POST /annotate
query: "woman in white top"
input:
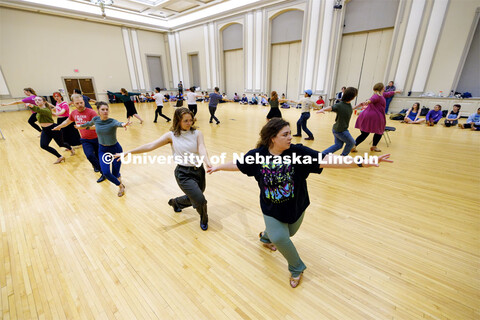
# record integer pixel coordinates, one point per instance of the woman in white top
(189, 152)
(159, 102)
(192, 100)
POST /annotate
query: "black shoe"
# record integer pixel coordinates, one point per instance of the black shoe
(204, 226)
(102, 178)
(218, 122)
(210, 121)
(96, 170)
(296, 135)
(155, 121)
(169, 120)
(310, 138)
(173, 203)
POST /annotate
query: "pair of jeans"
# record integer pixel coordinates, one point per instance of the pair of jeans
(212, 114)
(158, 112)
(90, 148)
(302, 124)
(387, 103)
(279, 234)
(192, 182)
(46, 137)
(113, 174)
(340, 139)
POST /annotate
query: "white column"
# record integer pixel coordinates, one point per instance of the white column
(179, 58)
(213, 56)
(173, 58)
(430, 43)
(138, 60)
(207, 56)
(249, 45)
(325, 45)
(128, 52)
(411, 34)
(311, 43)
(258, 49)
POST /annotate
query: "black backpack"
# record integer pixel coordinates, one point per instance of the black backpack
(424, 111)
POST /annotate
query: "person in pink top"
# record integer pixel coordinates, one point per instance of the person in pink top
(30, 99)
(89, 137)
(62, 111)
(372, 119)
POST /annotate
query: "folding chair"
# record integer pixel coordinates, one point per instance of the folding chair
(387, 136)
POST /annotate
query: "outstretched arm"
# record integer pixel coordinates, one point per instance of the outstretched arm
(163, 140)
(12, 103)
(202, 150)
(230, 166)
(329, 108)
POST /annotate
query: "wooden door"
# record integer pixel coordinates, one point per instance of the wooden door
(86, 85)
(71, 84)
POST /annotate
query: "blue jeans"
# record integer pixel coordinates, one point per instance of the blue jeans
(279, 233)
(340, 139)
(387, 103)
(111, 175)
(302, 124)
(90, 148)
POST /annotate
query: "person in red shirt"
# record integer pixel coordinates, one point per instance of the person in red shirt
(89, 137)
(320, 101)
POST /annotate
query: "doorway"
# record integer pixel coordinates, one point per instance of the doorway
(83, 84)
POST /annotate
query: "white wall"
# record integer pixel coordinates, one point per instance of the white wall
(154, 44)
(37, 50)
(192, 40)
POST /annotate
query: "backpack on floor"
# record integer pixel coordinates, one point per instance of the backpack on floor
(424, 111)
(397, 116)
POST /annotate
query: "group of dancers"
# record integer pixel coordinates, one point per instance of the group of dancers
(283, 189)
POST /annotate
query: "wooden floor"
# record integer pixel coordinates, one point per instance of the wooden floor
(397, 242)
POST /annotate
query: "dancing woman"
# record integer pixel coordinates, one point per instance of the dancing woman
(30, 93)
(187, 145)
(125, 97)
(62, 111)
(274, 106)
(106, 129)
(283, 187)
(43, 111)
(372, 119)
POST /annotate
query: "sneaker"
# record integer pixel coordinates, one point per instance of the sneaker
(102, 178)
(310, 138)
(204, 226)
(173, 203)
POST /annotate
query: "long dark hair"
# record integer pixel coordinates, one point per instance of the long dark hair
(177, 119)
(270, 130)
(30, 90)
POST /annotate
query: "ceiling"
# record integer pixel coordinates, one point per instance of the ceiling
(164, 9)
(163, 15)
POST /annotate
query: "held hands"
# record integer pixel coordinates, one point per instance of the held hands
(382, 158)
(125, 124)
(118, 155)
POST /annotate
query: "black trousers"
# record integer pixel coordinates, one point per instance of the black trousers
(193, 108)
(32, 120)
(158, 112)
(364, 135)
(212, 114)
(47, 136)
(192, 182)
